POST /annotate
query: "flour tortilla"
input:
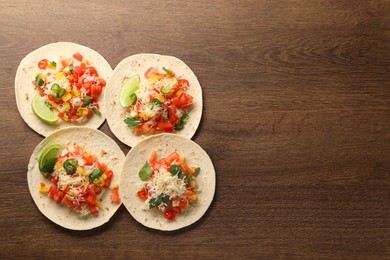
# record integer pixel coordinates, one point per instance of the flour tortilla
(137, 65)
(25, 92)
(91, 140)
(130, 182)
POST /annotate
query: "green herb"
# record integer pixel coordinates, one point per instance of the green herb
(145, 172)
(39, 81)
(156, 101)
(96, 173)
(87, 100)
(190, 178)
(197, 170)
(162, 198)
(57, 91)
(170, 74)
(71, 68)
(132, 121)
(177, 170)
(150, 105)
(133, 97)
(96, 111)
(70, 166)
(53, 63)
(183, 120)
(165, 91)
(47, 103)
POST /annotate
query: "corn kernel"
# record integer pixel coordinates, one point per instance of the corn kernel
(43, 188)
(66, 97)
(76, 93)
(99, 204)
(66, 106)
(178, 93)
(193, 197)
(59, 75)
(83, 111)
(86, 155)
(51, 66)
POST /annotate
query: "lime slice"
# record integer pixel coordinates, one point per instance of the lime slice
(42, 111)
(48, 158)
(127, 95)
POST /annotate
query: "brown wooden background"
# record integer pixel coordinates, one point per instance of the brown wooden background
(296, 120)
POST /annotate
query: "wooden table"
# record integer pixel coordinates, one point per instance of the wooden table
(296, 121)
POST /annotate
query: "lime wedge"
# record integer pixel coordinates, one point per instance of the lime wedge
(48, 158)
(42, 111)
(127, 95)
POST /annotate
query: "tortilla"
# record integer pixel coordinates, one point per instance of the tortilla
(95, 142)
(138, 65)
(25, 92)
(130, 182)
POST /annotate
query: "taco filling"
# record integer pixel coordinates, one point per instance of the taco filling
(157, 103)
(170, 185)
(70, 87)
(78, 179)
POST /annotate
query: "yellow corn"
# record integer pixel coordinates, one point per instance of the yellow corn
(51, 66)
(161, 98)
(193, 197)
(99, 204)
(43, 188)
(81, 171)
(59, 75)
(181, 158)
(86, 155)
(66, 97)
(66, 106)
(75, 93)
(178, 93)
(57, 166)
(154, 78)
(83, 111)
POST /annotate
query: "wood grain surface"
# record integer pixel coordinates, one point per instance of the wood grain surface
(296, 121)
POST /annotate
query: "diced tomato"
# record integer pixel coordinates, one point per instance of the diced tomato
(90, 199)
(66, 62)
(171, 158)
(41, 91)
(150, 72)
(173, 118)
(189, 193)
(78, 56)
(183, 203)
(92, 71)
(54, 180)
(43, 64)
(77, 72)
(152, 158)
(102, 82)
(87, 158)
(176, 210)
(102, 166)
(165, 126)
(183, 101)
(142, 194)
(91, 191)
(95, 91)
(67, 202)
(109, 175)
(87, 85)
(56, 100)
(93, 209)
(169, 215)
(183, 83)
(115, 196)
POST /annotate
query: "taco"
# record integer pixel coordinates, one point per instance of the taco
(61, 84)
(167, 182)
(73, 177)
(149, 94)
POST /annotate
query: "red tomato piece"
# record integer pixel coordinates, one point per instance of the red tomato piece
(43, 64)
(183, 101)
(142, 194)
(93, 209)
(169, 215)
(66, 62)
(67, 202)
(90, 199)
(183, 203)
(165, 126)
(95, 91)
(92, 71)
(78, 56)
(115, 196)
(173, 118)
(183, 83)
(176, 210)
(171, 158)
(150, 72)
(109, 175)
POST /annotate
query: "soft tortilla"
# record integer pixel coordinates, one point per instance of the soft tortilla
(137, 65)
(130, 182)
(107, 152)
(25, 92)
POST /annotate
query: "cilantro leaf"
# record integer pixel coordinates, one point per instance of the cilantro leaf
(177, 170)
(132, 121)
(145, 172)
